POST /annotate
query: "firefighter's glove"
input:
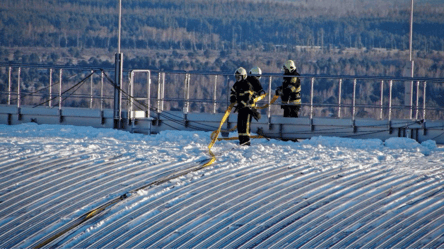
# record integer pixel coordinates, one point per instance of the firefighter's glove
(279, 91)
(255, 113)
(232, 99)
(287, 91)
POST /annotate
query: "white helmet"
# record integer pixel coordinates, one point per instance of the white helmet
(256, 71)
(290, 66)
(240, 74)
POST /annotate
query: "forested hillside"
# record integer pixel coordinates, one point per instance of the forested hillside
(346, 37)
(221, 29)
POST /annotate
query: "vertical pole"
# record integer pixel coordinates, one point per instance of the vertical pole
(390, 100)
(215, 95)
(118, 75)
(354, 98)
(340, 98)
(119, 27)
(417, 99)
(101, 90)
(91, 91)
(18, 87)
(91, 100)
(131, 90)
(311, 97)
(382, 99)
(424, 101)
(50, 88)
(411, 33)
(9, 85)
(117, 88)
(228, 92)
(269, 98)
(411, 60)
(148, 97)
(411, 99)
(60, 89)
(187, 93)
(159, 94)
(163, 91)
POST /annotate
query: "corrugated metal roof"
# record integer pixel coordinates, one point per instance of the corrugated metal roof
(286, 204)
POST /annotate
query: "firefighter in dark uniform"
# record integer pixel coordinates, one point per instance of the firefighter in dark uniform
(253, 77)
(242, 93)
(290, 91)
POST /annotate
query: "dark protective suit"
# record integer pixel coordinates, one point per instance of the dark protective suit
(290, 93)
(243, 93)
(257, 87)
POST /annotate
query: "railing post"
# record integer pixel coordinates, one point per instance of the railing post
(417, 99)
(269, 99)
(354, 98)
(18, 88)
(159, 92)
(424, 101)
(148, 97)
(9, 85)
(131, 97)
(186, 106)
(60, 89)
(390, 100)
(91, 100)
(382, 99)
(163, 91)
(340, 98)
(101, 90)
(118, 63)
(215, 95)
(411, 100)
(50, 88)
(311, 97)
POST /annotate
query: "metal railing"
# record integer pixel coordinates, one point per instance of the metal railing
(335, 96)
(384, 107)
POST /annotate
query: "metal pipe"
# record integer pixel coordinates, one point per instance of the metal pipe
(417, 99)
(163, 91)
(60, 89)
(311, 97)
(269, 98)
(18, 87)
(411, 32)
(131, 97)
(148, 97)
(354, 98)
(50, 88)
(9, 85)
(120, 26)
(411, 60)
(117, 88)
(91, 100)
(159, 87)
(186, 107)
(411, 100)
(382, 99)
(101, 90)
(390, 100)
(424, 101)
(340, 98)
(215, 95)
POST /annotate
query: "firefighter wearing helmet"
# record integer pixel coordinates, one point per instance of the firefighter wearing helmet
(253, 77)
(290, 91)
(243, 94)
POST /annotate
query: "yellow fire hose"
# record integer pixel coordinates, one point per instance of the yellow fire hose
(215, 134)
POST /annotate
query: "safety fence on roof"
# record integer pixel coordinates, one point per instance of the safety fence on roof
(154, 91)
